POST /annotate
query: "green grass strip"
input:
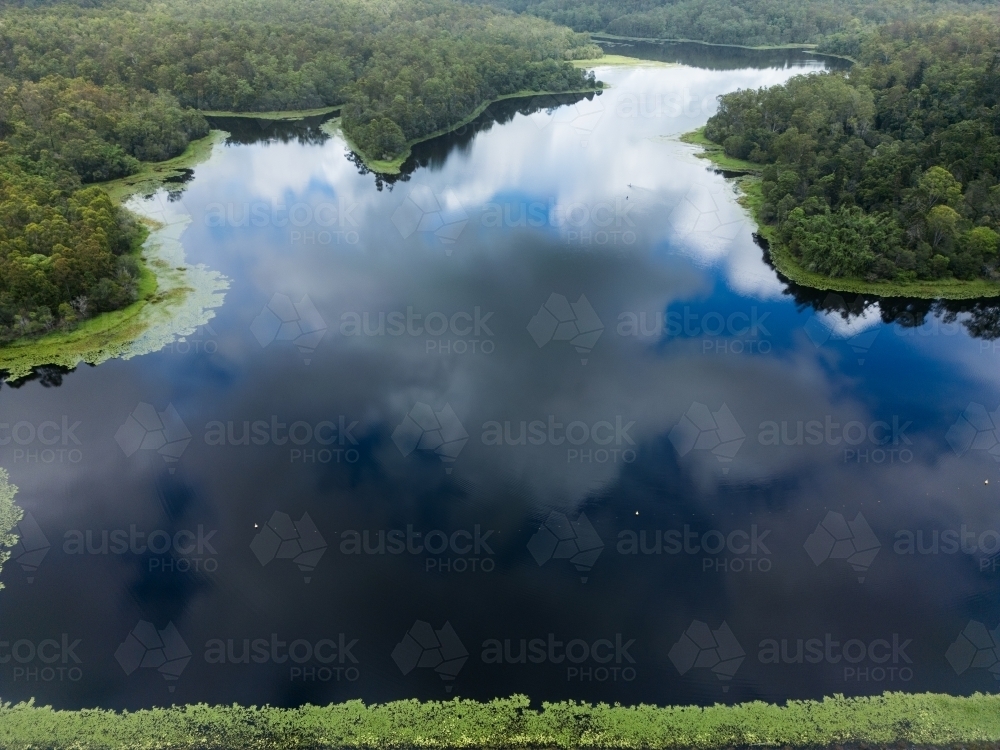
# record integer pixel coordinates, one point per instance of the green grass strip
(291, 114)
(924, 719)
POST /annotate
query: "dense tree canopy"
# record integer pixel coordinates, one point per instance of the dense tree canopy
(891, 171)
(91, 88)
(401, 67)
(746, 22)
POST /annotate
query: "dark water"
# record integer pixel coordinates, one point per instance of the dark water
(534, 417)
(719, 57)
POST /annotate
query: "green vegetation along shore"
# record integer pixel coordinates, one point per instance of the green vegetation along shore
(891, 720)
(747, 175)
(883, 182)
(107, 90)
(602, 37)
(717, 154)
(835, 25)
(10, 515)
(392, 166)
(170, 297)
(293, 114)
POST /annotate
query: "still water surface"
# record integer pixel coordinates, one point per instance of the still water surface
(535, 417)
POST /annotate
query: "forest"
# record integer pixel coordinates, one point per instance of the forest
(91, 88)
(829, 23)
(888, 173)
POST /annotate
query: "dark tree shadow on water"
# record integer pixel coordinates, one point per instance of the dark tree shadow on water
(48, 376)
(979, 317)
(434, 152)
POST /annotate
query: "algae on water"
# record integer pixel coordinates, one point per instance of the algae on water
(10, 516)
(184, 298)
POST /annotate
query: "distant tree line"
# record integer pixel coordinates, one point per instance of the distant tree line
(91, 88)
(743, 22)
(889, 172)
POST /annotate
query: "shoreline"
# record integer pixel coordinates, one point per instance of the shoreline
(598, 36)
(159, 315)
(392, 166)
(120, 333)
(623, 60)
(287, 115)
(747, 177)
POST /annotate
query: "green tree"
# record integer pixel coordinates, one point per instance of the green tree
(10, 516)
(942, 223)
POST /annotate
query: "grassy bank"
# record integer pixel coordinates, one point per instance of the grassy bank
(68, 348)
(154, 175)
(789, 266)
(161, 284)
(714, 153)
(294, 114)
(601, 36)
(392, 166)
(889, 720)
(632, 62)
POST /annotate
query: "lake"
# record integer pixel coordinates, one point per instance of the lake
(535, 416)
